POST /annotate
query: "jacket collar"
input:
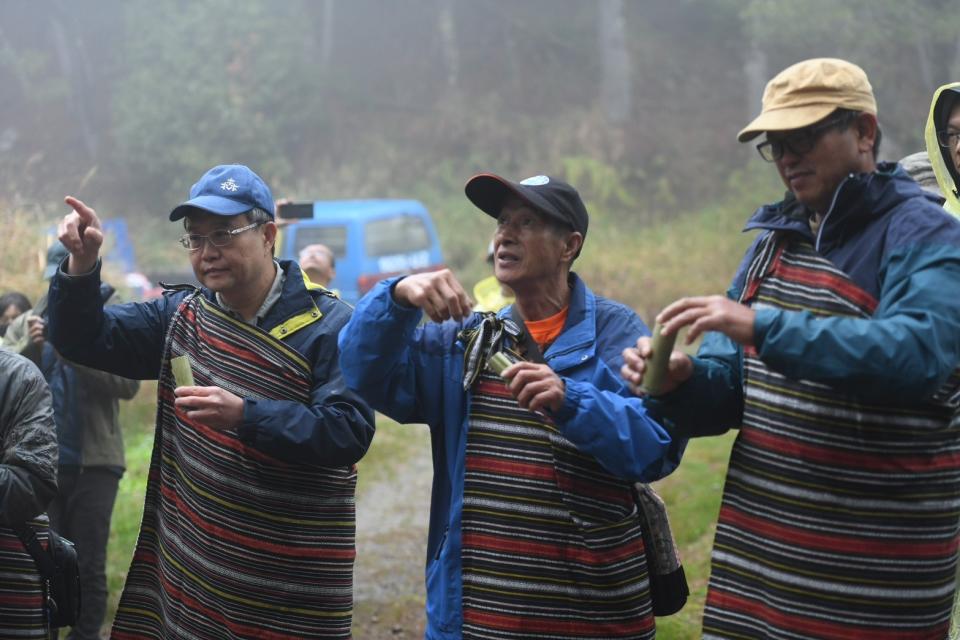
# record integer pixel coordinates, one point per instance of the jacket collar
(294, 300)
(859, 199)
(578, 339)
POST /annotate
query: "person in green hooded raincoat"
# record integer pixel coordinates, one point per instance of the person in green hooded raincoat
(942, 135)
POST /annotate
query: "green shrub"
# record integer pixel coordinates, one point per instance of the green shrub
(22, 253)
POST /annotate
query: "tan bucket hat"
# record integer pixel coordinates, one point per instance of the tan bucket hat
(808, 92)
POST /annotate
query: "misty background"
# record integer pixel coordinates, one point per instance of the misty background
(635, 102)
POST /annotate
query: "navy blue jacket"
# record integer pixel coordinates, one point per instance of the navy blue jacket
(414, 373)
(895, 242)
(334, 430)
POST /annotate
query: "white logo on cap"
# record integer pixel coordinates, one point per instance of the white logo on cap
(229, 185)
(535, 181)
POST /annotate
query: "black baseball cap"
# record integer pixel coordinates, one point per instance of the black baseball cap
(552, 197)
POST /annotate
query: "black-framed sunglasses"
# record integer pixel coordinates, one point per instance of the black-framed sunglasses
(803, 141)
(948, 139)
(219, 238)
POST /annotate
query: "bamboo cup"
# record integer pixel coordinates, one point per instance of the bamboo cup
(656, 373)
(182, 374)
(497, 362)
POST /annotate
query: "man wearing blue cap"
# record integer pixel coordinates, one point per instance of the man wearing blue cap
(248, 527)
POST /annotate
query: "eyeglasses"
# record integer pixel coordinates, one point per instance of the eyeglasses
(803, 141)
(219, 238)
(948, 139)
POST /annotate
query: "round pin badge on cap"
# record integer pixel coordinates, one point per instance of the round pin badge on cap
(535, 181)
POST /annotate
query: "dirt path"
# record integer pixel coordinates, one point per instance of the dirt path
(392, 523)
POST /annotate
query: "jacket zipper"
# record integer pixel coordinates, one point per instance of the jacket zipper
(833, 202)
(443, 542)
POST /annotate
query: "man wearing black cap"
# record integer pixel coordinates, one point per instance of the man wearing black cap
(533, 527)
(248, 527)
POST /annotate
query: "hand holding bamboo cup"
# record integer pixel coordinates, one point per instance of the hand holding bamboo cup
(661, 347)
(497, 362)
(182, 372)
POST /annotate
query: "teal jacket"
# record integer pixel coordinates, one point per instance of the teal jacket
(895, 242)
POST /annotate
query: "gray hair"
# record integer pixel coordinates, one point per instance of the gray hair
(258, 216)
(255, 216)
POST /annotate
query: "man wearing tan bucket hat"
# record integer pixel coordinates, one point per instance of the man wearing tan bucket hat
(835, 353)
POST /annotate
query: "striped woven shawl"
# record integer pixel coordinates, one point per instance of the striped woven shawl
(21, 591)
(839, 516)
(552, 545)
(234, 543)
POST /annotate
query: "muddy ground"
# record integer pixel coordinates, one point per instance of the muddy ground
(392, 517)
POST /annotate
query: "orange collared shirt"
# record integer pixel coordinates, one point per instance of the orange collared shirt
(545, 331)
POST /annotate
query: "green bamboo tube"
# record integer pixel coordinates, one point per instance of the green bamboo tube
(656, 373)
(497, 362)
(182, 374)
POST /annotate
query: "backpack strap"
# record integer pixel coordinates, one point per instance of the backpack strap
(42, 558)
(531, 350)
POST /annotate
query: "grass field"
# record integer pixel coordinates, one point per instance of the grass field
(692, 494)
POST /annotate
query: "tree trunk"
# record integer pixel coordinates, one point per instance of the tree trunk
(77, 76)
(755, 72)
(448, 43)
(326, 39)
(616, 90)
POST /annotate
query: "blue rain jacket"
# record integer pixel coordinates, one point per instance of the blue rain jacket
(893, 240)
(414, 373)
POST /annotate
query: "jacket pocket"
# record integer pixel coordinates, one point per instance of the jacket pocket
(442, 608)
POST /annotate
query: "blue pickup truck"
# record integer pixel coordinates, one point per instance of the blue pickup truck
(371, 239)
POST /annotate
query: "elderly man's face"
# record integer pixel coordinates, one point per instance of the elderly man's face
(527, 247)
(813, 177)
(231, 270)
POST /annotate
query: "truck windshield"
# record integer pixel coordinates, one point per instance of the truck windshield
(334, 236)
(401, 234)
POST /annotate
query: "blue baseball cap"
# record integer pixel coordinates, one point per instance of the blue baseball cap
(227, 190)
(55, 255)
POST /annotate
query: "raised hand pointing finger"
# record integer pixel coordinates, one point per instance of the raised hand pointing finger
(81, 234)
